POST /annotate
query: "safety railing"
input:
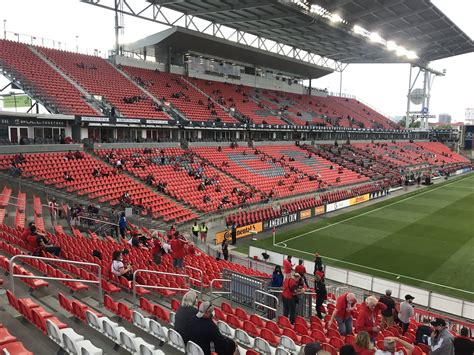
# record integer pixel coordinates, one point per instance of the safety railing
(144, 271)
(263, 305)
(222, 281)
(13, 275)
(192, 278)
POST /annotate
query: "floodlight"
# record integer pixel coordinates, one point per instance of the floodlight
(401, 51)
(375, 37)
(359, 30)
(391, 46)
(411, 55)
(335, 18)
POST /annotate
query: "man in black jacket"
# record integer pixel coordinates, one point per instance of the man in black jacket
(423, 329)
(387, 314)
(321, 294)
(202, 331)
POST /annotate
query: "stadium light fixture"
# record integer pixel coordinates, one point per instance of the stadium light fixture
(411, 55)
(391, 46)
(335, 18)
(401, 51)
(359, 30)
(375, 37)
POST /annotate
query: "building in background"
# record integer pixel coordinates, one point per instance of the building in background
(469, 116)
(444, 118)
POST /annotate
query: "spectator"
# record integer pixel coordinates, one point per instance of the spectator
(387, 314)
(185, 313)
(441, 341)
(177, 251)
(463, 345)
(321, 294)
(233, 233)
(135, 242)
(315, 349)
(277, 277)
(118, 268)
(203, 231)
(345, 304)
(406, 312)
(225, 248)
(195, 230)
(318, 263)
(202, 330)
(389, 347)
(287, 267)
(422, 330)
(67, 177)
(347, 349)
(157, 249)
(362, 344)
(366, 320)
(300, 269)
(123, 224)
(78, 155)
(289, 296)
(53, 210)
(69, 156)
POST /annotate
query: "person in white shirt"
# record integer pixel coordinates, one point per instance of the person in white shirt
(389, 347)
(118, 268)
(406, 312)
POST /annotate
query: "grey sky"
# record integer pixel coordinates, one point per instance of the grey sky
(382, 86)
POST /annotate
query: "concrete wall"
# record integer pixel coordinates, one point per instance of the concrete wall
(135, 145)
(39, 148)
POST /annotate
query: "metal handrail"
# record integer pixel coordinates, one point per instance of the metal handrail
(220, 292)
(97, 220)
(135, 285)
(255, 303)
(193, 279)
(12, 275)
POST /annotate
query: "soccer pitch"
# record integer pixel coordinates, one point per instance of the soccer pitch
(426, 235)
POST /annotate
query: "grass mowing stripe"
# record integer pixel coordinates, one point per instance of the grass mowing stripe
(373, 210)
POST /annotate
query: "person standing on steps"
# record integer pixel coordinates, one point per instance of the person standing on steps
(195, 230)
(234, 233)
(203, 231)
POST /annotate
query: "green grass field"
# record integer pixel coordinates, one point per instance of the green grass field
(424, 235)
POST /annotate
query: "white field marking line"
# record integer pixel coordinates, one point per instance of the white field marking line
(368, 212)
(383, 271)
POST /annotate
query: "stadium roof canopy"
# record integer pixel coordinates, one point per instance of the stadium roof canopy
(184, 40)
(417, 25)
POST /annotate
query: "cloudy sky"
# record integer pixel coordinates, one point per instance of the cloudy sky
(384, 86)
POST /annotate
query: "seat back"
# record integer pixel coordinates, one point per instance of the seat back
(69, 345)
(126, 341)
(281, 351)
(53, 332)
(145, 350)
(287, 343)
(193, 349)
(93, 320)
(157, 330)
(262, 346)
(109, 330)
(176, 340)
(243, 338)
(139, 320)
(224, 328)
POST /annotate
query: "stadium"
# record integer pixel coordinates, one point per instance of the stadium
(193, 190)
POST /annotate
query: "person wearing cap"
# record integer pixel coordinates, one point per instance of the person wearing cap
(289, 296)
(406, 312)
(202, 330)
(423, 332)
(463, 345)
(387, 314)
(441, 340)
(315, 349)
(185, 312)
(389, 347)
(345, 304)
(366, 320)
